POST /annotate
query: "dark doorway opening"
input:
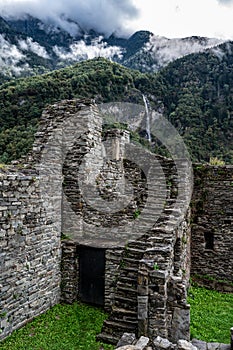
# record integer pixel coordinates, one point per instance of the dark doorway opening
(91, 275)
(209, 240)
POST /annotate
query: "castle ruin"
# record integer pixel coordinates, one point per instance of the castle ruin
(60, 242)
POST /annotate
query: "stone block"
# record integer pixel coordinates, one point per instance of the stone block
(201, 345)
(224, 347)
(180, 324)
(126, 339)
(185, 345)
(162, 343)
(142, 343)
(142, 307)
(213, 346)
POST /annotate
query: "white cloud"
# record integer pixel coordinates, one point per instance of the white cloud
(105, 16)
(169, 18)
(30, 45)
(10, 57)
(165, 50)
(80, 51)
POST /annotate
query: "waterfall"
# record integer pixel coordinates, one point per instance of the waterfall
(147, 118)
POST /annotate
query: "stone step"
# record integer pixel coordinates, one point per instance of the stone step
(137, 257)
(128, 274)
(119, 327)
(123, 302)
(126, 291)
(121, 287)
(115, 254)
(129, 262)
(127, 269)
(127, 283)
(128, 280)
(135, 253)
(107, 338)
(142, 244)
(128, 318)
(125, 312)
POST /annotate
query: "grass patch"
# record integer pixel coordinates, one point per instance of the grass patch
(74, 327)
(211, 315)
(64, 327)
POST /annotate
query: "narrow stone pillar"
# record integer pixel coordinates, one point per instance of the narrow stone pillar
(142, 301)
(116, 149)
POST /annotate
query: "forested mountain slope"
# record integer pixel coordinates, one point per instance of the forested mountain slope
(198, 97)
(22, 100)
(31, 46)
(195, 93)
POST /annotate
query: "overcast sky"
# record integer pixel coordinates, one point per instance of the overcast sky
(169, 18)
(179, 18)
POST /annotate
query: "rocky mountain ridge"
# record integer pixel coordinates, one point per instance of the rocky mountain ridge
(30, 46)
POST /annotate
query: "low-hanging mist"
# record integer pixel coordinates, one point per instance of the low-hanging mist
(104, 16)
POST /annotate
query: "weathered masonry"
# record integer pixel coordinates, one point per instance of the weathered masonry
(212, 222)
(30, 251)
(134, 261)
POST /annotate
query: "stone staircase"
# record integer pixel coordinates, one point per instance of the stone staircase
(124, 310)
(156, 245)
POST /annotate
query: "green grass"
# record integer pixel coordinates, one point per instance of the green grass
(74, 327)
(64, 327)
(211, 315)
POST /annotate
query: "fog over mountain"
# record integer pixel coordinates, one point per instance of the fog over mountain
(39, 36)
(104, 16)
(160, 51)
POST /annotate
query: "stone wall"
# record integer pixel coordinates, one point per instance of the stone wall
(70, 273)
(147, 236)
(212, 222)
(70, 186)
(31, 207)
(81, 172)
(29, 251)
(151, 289)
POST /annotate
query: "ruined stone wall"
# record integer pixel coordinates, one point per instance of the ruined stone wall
(69, 272)
(151, 290)
(29, 251)
(31, 207)
(146, 241)
(212, 222)
(155, 201)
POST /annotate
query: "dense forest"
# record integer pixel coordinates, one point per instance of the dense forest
(22, 100)
(195, 92)
(198, 97)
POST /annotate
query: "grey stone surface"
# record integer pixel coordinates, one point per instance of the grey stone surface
(126, 339)
(201, 345)
(162, 343)
(212, 212)
(224, 347)
(142, 343)
(180, 323)
(185, 345)
(29, 249)
(213, 346)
